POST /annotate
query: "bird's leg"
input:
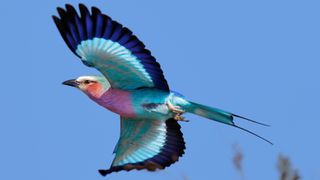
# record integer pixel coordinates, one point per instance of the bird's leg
(177, 111)
(178, 117)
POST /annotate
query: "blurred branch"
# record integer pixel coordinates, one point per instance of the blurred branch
(285, 169)
(237, 160)
(184, 177)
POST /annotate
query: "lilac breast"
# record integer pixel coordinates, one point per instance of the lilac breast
(117, 101)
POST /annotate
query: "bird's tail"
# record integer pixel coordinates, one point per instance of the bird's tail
(220, 116)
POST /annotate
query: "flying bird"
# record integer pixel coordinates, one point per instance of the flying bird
(132, 85)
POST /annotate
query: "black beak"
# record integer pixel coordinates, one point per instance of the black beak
(71, 82)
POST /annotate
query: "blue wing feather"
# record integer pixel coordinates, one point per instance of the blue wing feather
(133, 41)
(126, 34)
(117, 32)
(138, 48)
(71, 40)
(77, 22)
(108, 28)
(99, 22)
(89, 26)
(86, 20)
(73, 32)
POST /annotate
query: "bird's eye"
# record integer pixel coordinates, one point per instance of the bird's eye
(86, 82)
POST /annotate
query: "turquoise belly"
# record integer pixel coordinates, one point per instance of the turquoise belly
(150, 104)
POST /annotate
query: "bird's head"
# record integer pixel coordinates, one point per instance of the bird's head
(93, 86)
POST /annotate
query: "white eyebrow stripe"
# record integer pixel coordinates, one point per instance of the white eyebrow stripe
(82, 78)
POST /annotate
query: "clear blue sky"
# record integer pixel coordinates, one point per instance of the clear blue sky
(259, 59)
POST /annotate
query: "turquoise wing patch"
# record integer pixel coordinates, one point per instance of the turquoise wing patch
(109, 47)
(115, 62)
(147, 144)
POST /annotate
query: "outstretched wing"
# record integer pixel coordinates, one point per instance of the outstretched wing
(147, 144)
(109, 47)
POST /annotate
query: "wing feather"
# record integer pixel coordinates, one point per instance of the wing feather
(147, 144)
(109, 47)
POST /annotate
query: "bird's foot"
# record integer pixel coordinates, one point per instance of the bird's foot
(175, 109)
(178, 117)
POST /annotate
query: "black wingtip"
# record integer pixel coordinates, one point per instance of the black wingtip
(71, 9)
(56, 20)
(103, 172)
(61, 12)
(263, 124)
(69, 6)
(83, 7)
(95, 10)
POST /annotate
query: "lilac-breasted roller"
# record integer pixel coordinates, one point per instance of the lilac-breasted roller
(133, 86)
